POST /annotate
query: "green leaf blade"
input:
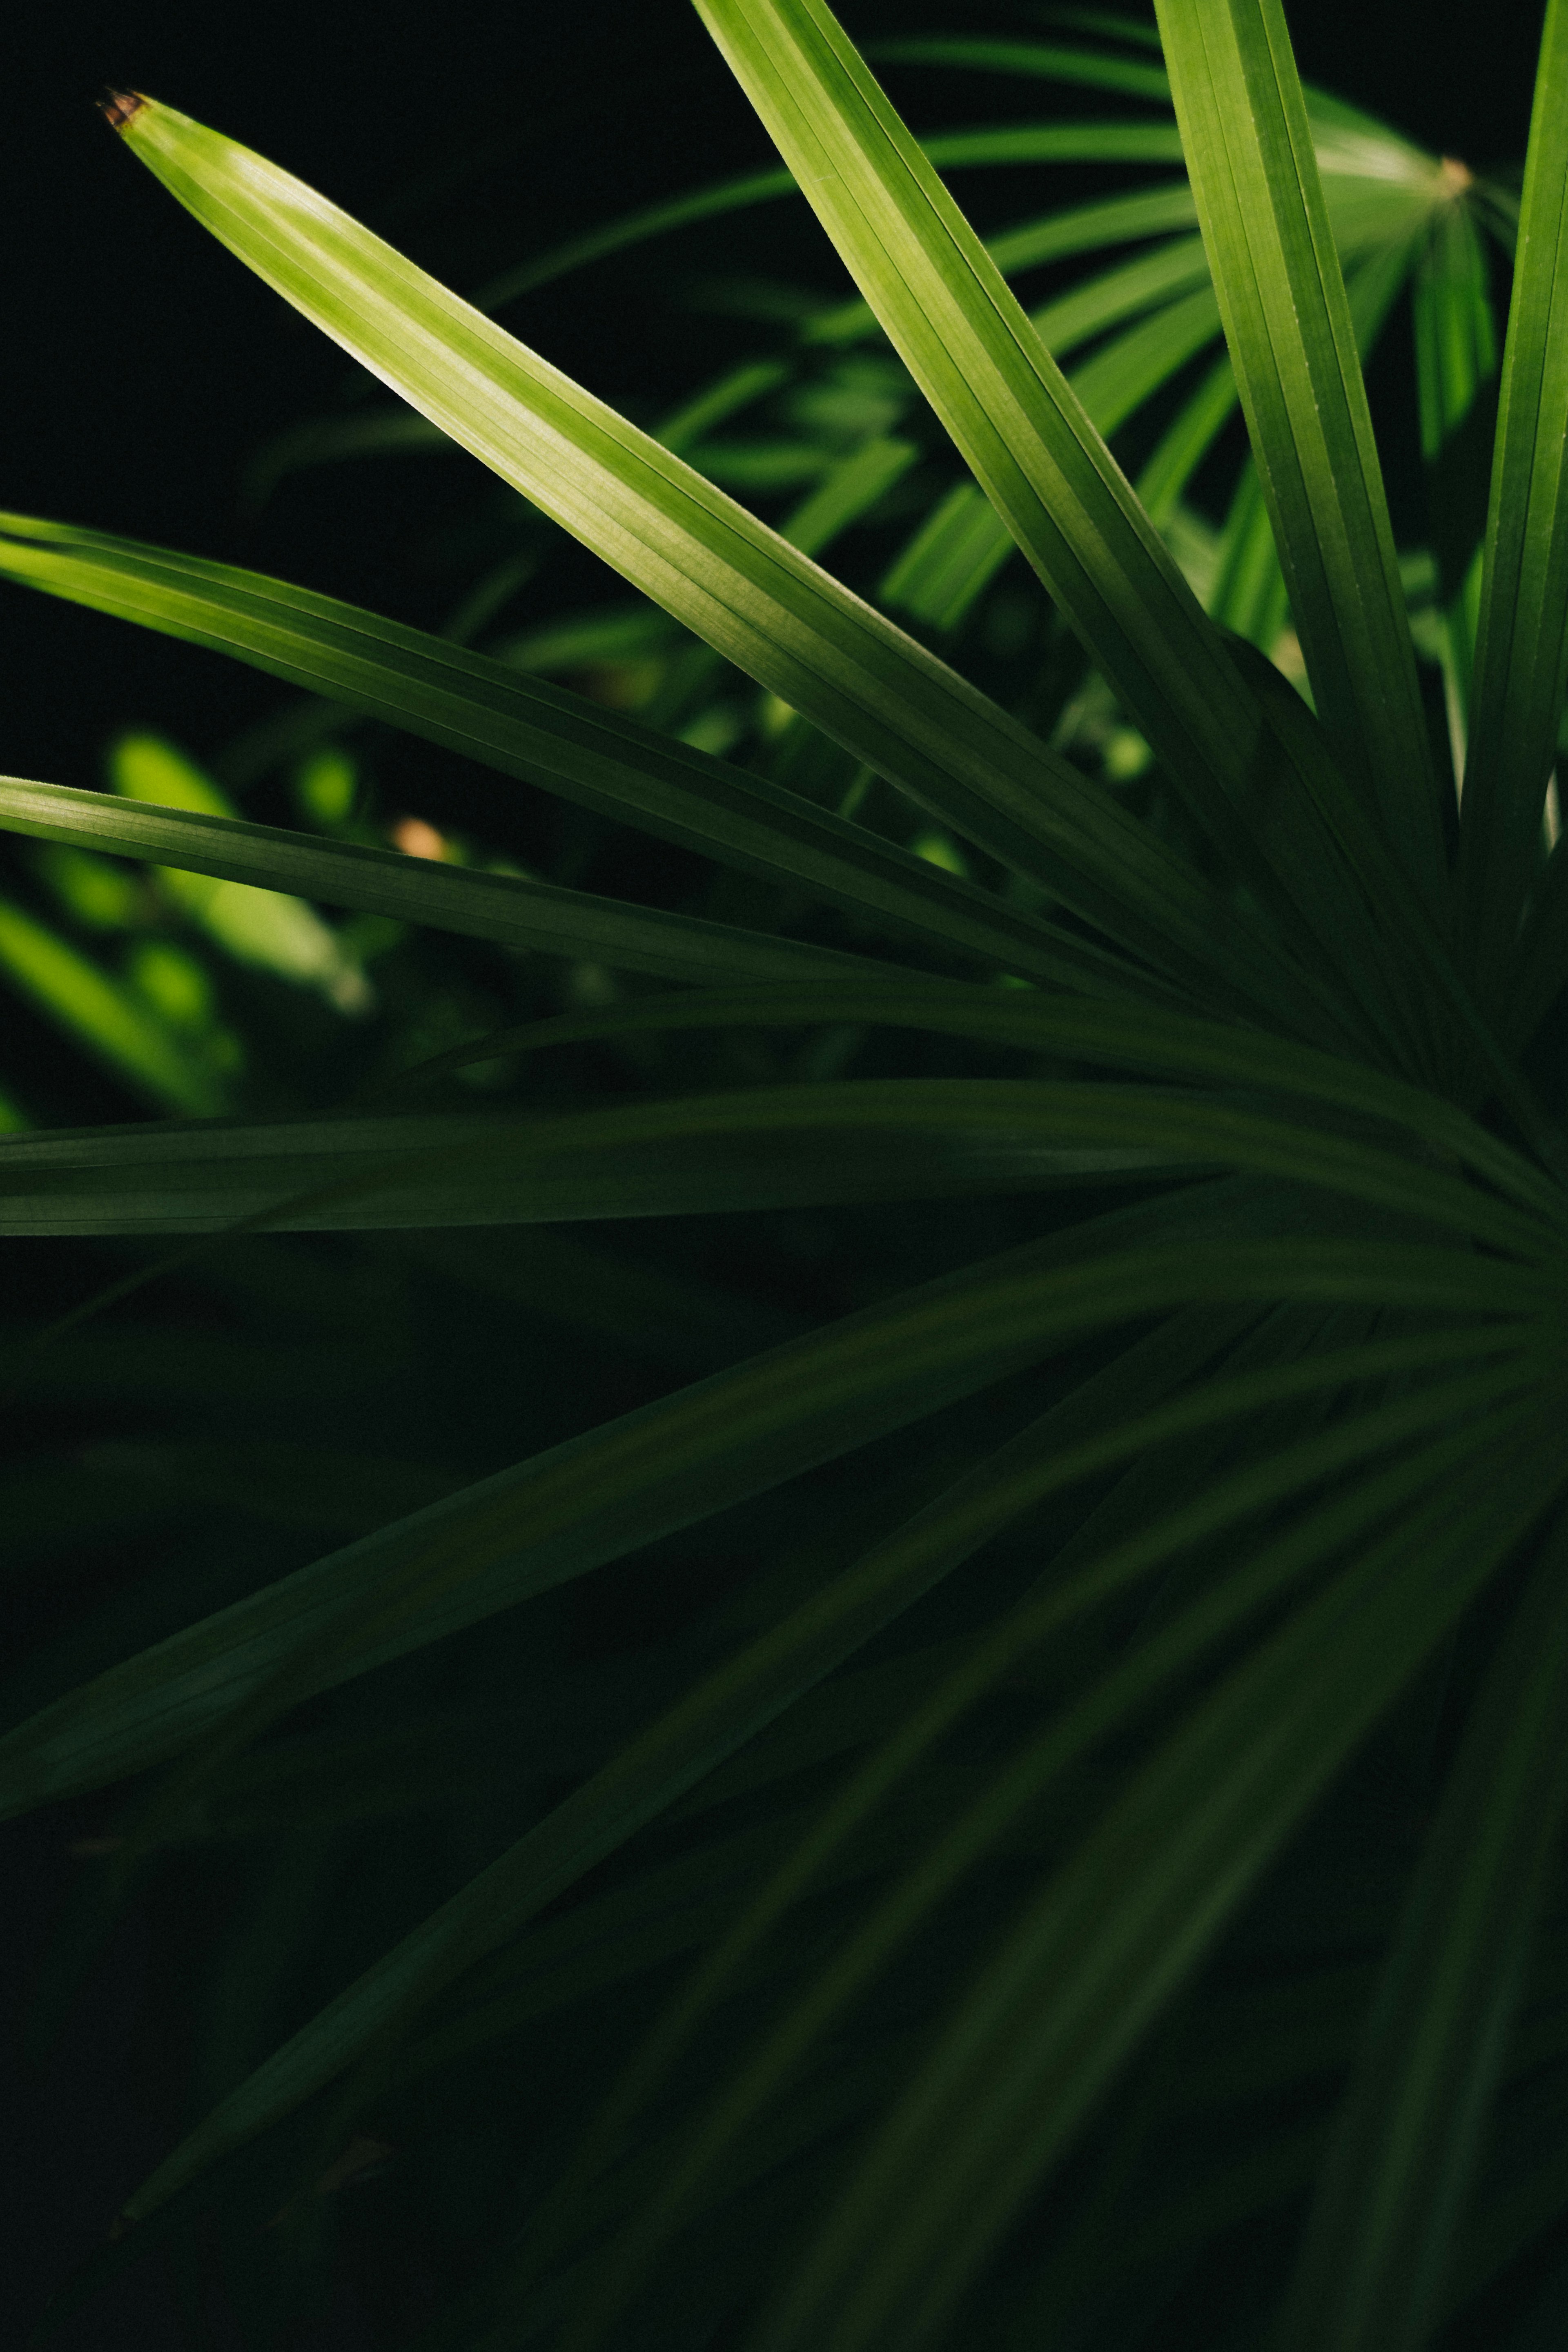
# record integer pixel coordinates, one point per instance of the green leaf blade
(1521, 648)
(106, 1018)
(1456, 370)
(485, 711)
(1042, 60)
(1033, 448)
(768, 1147)
(1377, 2245)
(513, 911)
(1289, 326)
(754, 599)
(1058, 2011)
(676, 1750)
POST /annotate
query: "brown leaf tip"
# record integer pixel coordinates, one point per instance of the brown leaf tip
(120, 107)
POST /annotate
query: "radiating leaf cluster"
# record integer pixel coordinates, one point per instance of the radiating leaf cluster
(1087, 1796)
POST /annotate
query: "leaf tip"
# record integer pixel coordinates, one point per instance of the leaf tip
(120, 107)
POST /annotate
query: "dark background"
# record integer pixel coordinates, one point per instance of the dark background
(144, 367)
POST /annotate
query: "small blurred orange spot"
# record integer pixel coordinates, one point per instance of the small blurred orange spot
(417, 839)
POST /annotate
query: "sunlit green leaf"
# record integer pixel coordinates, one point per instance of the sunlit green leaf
(891, 1821)
(1289, 327)
(1041, 461)
(1521, 643)
(107, 1017)
(740, 586)
(597, 757)
(279, 933)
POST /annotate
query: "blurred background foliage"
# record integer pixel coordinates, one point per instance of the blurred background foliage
(268, 1396)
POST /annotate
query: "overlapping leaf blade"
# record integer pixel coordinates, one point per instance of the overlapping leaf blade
(1091, 1966)
(1392, 2192)
(1005, 1805)
(1151, 1043)
(513, 910)
(739, 585)
(736, 1434)
(1287, 323)
(1384, 1237)
(1456, 368)
(764, 1148)
(703, 1728)
(115, 1025)
(1045, 469)
(488, 711)
(1522, 646)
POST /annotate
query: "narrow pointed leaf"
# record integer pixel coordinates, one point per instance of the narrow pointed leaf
(1024, 1469)
(1047, 143)
(106, 1018)
(1032, 448)
(1041, 60)
(485, 710)
(1155, 1044)
(1093, 1962)
(1456, 370)
(682, 543)
(640, 1782)
(571, 1508)
(1287, 323)
(738, 1433)
(1521, 648)
(1391, 2198)
(768, 1147)
(513, 911)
